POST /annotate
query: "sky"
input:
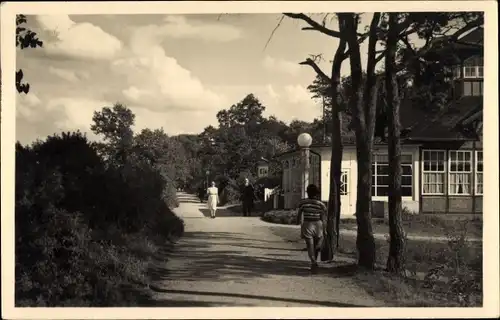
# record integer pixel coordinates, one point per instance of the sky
(173, 71)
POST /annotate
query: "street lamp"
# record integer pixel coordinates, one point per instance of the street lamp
(305, 140)
(207, 173)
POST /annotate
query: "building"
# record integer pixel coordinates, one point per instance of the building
(262, 168)
(442, 157)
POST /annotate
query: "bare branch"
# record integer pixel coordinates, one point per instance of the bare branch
(312, 64)
(380, 56)
(313, 25)
(274, 30)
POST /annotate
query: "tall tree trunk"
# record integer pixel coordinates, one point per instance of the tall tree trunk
(332, 223)
(365, 241)
(333, 218)
(396, 259)
(364, 121)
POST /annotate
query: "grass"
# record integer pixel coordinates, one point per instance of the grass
(439, 274)
(414, 224)
(69, 264)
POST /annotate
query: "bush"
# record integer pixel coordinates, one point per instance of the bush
(230, 192)
(280, 216)
(461, 262)
(87, 228)
(440, 273)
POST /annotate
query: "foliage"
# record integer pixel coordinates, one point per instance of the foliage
(280, 216)
(445, 273)
(231, 151)
(88, 224)
(25, 38)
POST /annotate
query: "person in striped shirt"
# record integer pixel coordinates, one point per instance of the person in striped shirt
(312, 217)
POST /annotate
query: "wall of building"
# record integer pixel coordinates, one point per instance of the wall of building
(349, 163)
(417, 202)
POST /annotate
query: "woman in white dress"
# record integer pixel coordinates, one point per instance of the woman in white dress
(213, 199)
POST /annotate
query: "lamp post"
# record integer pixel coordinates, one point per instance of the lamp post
(207, 173)
(305, 140)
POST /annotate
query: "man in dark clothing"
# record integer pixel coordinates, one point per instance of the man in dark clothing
(201, 193)
(247, 197)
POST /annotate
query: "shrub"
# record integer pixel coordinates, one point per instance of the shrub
(230, 193)
(280, 216)
(86, 229)
(463, 263)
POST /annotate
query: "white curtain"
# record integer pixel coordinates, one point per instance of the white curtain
(479, 182)
(433, 182)
(460, 183)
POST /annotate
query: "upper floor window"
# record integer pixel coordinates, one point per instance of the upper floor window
(473, 67)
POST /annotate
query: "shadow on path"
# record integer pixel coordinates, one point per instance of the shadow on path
(234, 211)
(191, 303)
(214, 256)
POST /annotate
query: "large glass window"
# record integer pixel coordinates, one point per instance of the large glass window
(433, 171)
(460, 172)
(380, 175)
(479, 172)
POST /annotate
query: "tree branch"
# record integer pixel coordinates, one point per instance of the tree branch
(274, 30)
(379, 57)
(312, 64)
(313, 25)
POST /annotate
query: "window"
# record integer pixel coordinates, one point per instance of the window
(262, 171)
(470, 72)
(380, 175)
(473, 68)
(473, 88)
(433, 171)
(479, 172)
(344, 183)
(460, 172)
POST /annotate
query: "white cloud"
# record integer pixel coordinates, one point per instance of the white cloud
(64, 74)
(298, 94)
(158, 82)
(78, 40)
(297, 105)
(27, 105)
(271, 92)
(177, 26)
(172, 123)
(281, 65)
(78, 112)
(38, 118)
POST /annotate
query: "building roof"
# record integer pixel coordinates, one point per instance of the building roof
(420, 126)
(453, 52)
(446, 124)
(474, 36)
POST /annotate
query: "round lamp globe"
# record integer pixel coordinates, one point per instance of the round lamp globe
(304, 140)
